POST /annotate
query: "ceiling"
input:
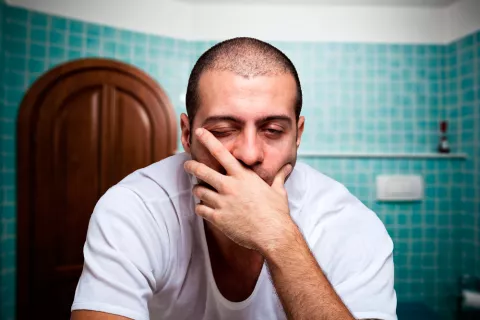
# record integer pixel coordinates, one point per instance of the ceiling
(399, 3)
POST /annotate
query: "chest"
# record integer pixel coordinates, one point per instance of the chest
(193, 293)
(235, 283)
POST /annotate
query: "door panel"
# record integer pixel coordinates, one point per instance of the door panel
(133, 131)
(76, 159)
(82, 128)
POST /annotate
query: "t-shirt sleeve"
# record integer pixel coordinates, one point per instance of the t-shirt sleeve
(125, 257)
(355, 252)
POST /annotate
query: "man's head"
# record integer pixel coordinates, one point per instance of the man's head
(247, 93)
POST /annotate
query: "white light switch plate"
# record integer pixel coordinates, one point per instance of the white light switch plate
(400, 188)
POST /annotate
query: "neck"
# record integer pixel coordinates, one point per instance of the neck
(230, 252)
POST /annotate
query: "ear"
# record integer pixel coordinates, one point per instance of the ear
(300, 127)
(185, 127)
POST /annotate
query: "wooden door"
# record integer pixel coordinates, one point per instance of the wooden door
(82, 127)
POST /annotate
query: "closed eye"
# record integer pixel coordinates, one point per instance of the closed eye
(273, 133)
(221, 134)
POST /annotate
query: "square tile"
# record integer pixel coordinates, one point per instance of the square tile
(59, 23)
(76, 27)
(38, 19)
(57, 38)
(38, 35)
(35, 65)
(75, 41)
(15, 63)
(15, 30)
(57, 52)
(37, 51)
(93, 30)
(16, 14)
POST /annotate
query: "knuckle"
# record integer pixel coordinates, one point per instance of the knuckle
(206, 194)
(199, 193)
(208, 176)
(217, 150)
(201, 172)
(192, 167)
(225, 186)
(198, 209)
(213, 217)
(221, 181)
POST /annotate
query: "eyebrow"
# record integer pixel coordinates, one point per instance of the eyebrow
(227, 118)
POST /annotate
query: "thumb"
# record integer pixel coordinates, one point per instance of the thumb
(279, 179)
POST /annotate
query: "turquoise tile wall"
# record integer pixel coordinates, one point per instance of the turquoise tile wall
(2, 131)
(358, 97)
(364, 90)
(463, 92)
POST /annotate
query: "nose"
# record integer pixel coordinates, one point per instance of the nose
(248, 149)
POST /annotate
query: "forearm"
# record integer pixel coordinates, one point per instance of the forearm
(303, 289)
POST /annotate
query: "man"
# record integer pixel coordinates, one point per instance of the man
(234, 228)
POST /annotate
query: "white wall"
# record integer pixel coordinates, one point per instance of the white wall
(163, 17)
(320, 23)
(463, 19)
(273, 22)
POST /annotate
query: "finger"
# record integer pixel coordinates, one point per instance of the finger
(279, 180)
(205, 173)
(207, 196)
(218, 151)
(205, 212)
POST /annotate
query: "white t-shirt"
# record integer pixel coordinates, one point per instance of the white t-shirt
(146, 255)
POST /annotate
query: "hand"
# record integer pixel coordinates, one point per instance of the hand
(244, 207)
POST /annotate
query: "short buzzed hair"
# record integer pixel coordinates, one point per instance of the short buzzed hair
(247, 57)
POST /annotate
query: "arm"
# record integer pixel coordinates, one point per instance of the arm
(302, 287)
(256, 215)
(125, 258)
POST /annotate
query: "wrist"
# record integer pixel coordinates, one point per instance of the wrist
(283, 242)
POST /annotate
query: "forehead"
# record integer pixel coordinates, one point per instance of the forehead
(225, 92)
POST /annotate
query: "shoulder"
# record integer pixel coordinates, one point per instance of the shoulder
(338, 226)
(320, 196)
(160, 180)
(351, 245)
(147, 193)
(314, 185)
(158, 195)
(147, 204)
(142, 212)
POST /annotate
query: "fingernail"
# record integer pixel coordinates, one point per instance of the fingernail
(199, 132)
